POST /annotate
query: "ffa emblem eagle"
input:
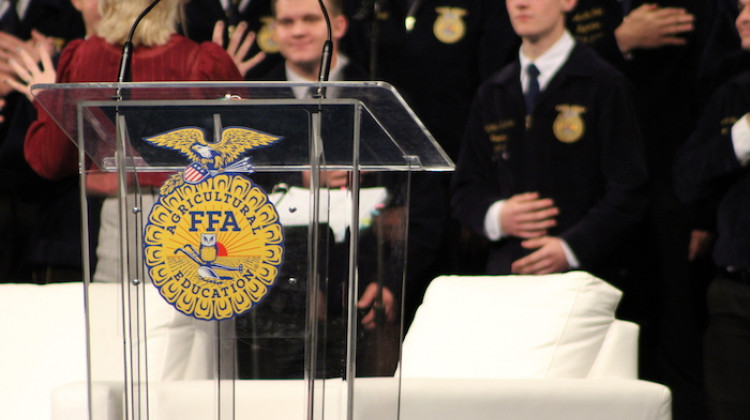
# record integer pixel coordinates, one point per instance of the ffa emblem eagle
(210, 158)
(230, 219)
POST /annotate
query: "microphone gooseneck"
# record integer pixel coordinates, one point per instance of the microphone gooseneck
(327, 54)
(127, 48)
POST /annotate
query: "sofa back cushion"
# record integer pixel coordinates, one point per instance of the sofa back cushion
(509, 326)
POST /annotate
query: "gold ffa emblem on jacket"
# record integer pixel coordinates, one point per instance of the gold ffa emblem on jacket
(569, 127)
(449, 26)
(213, 241)
(265, 39)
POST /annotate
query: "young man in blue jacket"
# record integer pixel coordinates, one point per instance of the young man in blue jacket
(551, 168)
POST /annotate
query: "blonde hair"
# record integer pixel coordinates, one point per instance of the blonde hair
(155, 28)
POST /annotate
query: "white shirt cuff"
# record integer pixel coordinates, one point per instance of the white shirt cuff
(569, 255)
(494, 232)
(741, 140)
(492, 221)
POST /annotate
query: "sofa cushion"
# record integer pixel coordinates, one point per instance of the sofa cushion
(509, 326)
(43, 336)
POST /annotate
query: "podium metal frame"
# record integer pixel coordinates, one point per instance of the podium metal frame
(362, 128)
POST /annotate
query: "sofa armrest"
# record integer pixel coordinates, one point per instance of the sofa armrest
(618, 356)
(70, 401)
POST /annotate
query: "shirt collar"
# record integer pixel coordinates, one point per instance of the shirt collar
(336, 75)
(21, 7)
(549, 62)
(241, 4)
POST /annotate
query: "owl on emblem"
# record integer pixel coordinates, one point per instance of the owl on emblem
(209, 249)
(205, 258)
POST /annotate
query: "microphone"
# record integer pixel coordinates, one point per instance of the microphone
(325, 59)
(127, 48)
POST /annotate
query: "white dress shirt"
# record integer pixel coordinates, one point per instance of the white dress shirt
(336, 75)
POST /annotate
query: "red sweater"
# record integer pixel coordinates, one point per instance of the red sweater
(51, 153)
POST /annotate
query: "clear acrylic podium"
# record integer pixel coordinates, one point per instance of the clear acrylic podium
(229, 318)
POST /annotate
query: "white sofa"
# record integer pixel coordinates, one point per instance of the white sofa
(529, 347)
(479, 348)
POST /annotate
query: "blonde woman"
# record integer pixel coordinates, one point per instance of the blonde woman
(160, 54)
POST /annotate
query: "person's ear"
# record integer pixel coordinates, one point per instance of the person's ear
(339, 25)
(569, 5)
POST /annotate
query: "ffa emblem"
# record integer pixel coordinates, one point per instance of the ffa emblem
(265, 39)
(449, 26)
(213, 240)
(568, 127)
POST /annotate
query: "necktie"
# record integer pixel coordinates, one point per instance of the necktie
(532, 90)
(233, 13)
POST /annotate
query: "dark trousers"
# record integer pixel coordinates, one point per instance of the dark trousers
(727, 350)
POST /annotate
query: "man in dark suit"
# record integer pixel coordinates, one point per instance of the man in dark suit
(713, 165)
(300, 32)
(668, 49)
(551, 168)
